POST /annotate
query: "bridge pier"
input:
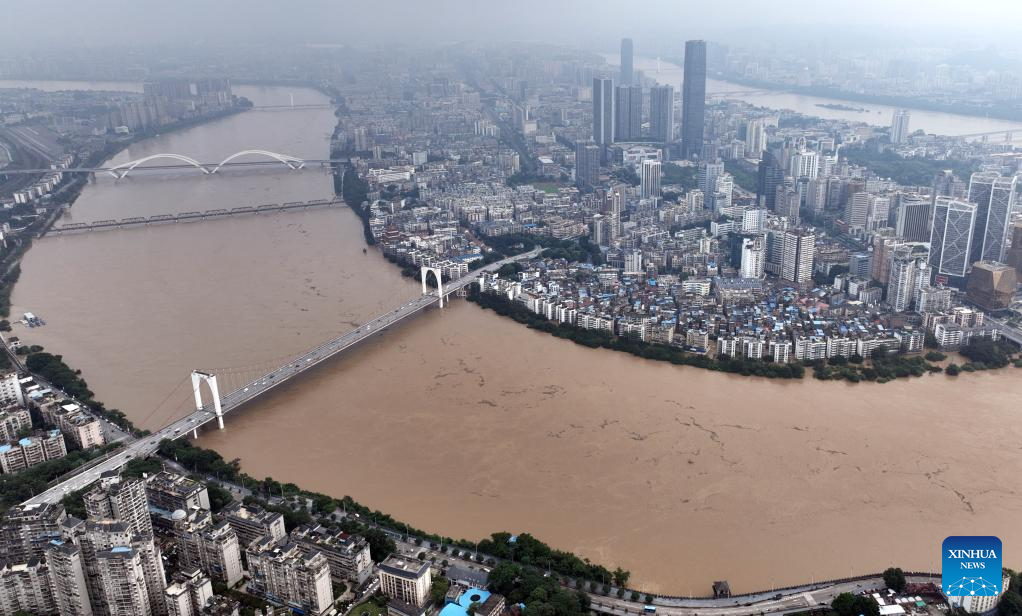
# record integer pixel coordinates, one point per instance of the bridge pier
(197, 379)
(439, 282)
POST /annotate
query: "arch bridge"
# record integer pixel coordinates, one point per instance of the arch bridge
(122, 170)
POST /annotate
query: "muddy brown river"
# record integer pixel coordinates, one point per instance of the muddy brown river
(465, 423)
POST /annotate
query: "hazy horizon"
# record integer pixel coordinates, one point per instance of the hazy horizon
(658, 26)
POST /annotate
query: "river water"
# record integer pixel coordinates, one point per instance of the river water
(877, 115)
(466, 423)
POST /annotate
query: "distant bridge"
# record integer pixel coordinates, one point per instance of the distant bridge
(186, 162)
(160, 219)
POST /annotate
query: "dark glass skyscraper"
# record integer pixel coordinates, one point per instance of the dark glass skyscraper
(693, 99)
(628, 111)
(661, 113)
(626, 62)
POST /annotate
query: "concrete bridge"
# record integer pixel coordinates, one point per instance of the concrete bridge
(222, 405)
(162, 219)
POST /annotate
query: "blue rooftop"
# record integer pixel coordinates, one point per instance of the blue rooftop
(120, 549)
(467, 598)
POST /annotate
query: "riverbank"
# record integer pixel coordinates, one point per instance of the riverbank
(66, 195)
(881, 367)
(995, 111)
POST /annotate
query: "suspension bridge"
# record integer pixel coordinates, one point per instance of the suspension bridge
(221, 405)
(181, 161)
(162, 219)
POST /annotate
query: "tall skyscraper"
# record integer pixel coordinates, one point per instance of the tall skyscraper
(661, 113)
(770, 176)
(797, 258)
(708, 173)
(899, 126)
(912, 221)
(626, 62)
(693, 99)
(587, 163)
(755, 138)
(753, 257)
(650, 179)
(1014, 256)
(994, 197)
(603, 111)
(67, 576)
(902, 281)
(123, 500)
(951, 240)
(628, 108)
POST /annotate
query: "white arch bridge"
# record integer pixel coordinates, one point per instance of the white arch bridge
(122, 170)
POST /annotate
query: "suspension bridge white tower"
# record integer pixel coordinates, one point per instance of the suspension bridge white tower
(439, 282)
(198, 378)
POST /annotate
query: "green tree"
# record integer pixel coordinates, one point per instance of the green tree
(438, 591)
(952, 370)
(894, 577)
(1010, 605)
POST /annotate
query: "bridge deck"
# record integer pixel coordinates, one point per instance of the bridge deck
(148, 445)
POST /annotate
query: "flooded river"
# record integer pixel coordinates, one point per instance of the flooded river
(466, 423)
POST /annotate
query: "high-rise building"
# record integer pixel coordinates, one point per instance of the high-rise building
(804, 164)
(626, 62)
(708, 174)
(603, 111)
(1014, 256)
(994, 197)
(797, 258)
(25, 588)
(753, 257)
(615, 209)
(348, 555)
(67, 577)
(251, 522)
(124, 500)
(899, 126)
(857, 212)
(283, 570)
(628, 108)
(405, 581)
(951, 239)
(661, 113)
(212, 548)
(991, 285)
(113, 557)
(13, 421)
(10, 389)
(912, 221)
(754, 221)
(878, 213)
(860, 265)
(189, 593)
(946, 184)
(770, 176)
(26, 530)
(650, 178)
(755, 138)
(884, 244)
(901, 284)
(693, 99)
(587, 164)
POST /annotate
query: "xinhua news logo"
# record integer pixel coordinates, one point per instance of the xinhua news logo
(971, 566)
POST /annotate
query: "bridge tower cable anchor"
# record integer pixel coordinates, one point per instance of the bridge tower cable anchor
(210, 379)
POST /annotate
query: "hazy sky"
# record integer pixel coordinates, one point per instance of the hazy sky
(63, 23)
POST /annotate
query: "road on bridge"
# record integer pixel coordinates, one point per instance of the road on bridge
(146, 446)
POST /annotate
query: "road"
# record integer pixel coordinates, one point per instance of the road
(146, 446)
